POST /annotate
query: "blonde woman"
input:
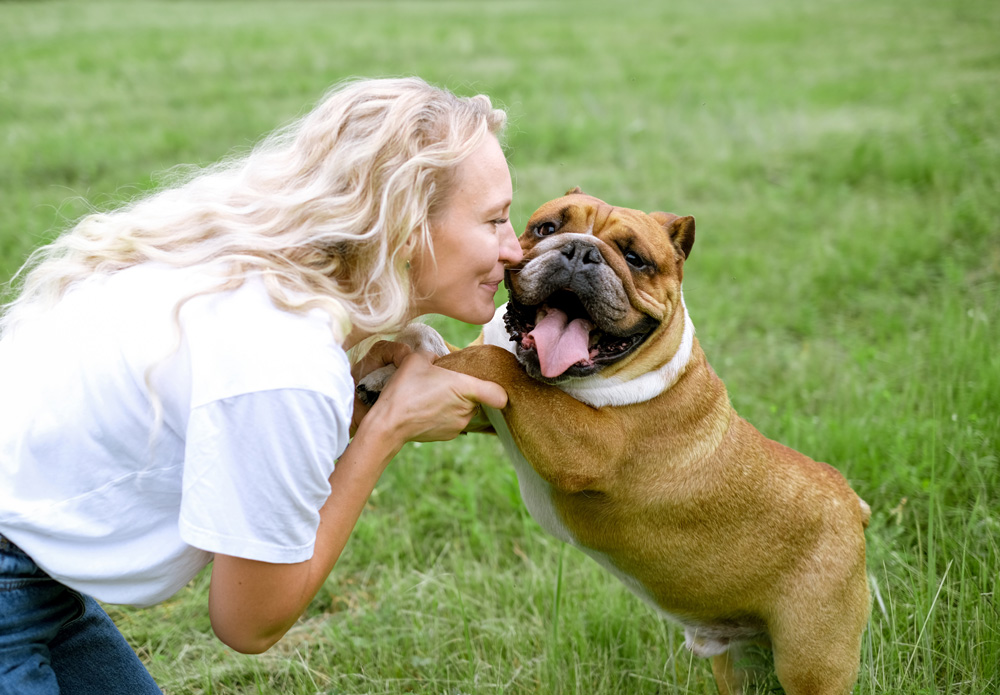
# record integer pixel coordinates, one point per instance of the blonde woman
(175, 385)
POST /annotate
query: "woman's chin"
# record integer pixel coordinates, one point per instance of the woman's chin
(479, 313)
(475, 307)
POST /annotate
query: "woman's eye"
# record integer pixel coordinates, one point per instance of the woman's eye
(545, 228)
(635, 260)
(501, 222)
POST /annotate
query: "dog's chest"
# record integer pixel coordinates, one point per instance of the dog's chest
(703, 639)
(537, 495)
(535, 491)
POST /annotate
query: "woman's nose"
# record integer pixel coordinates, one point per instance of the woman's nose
(510, 248)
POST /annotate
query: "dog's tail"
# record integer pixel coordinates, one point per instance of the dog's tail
(866, 512)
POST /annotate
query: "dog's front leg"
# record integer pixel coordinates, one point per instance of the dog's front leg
(550, 427)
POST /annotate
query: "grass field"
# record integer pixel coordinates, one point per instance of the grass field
(842, 159)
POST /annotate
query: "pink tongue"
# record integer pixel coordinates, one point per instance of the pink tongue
(559, 345)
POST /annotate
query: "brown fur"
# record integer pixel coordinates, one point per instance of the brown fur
(722, 526)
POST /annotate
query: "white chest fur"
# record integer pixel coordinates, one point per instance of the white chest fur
(537, 492)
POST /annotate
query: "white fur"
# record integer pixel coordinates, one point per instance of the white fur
(420, 336)
(703, 646)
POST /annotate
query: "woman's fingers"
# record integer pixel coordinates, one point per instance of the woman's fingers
(382, 353)
(485, 392)
(423, 402)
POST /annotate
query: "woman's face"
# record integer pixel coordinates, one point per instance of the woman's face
(473, 241)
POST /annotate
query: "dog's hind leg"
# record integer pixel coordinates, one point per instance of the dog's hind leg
(821, 657)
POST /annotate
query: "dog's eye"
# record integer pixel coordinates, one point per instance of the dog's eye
(635, 260)
(545, 228)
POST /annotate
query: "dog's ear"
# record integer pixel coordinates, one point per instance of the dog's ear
(680, 229)
(575, 190)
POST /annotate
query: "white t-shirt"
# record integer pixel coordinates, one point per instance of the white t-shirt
(256, 407)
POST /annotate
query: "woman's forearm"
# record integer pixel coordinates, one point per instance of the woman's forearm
(252, 604)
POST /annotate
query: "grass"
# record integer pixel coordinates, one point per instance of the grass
(843, 162)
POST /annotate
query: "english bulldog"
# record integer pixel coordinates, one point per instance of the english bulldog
(626, 446)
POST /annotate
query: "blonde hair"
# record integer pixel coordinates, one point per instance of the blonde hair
(327, 210)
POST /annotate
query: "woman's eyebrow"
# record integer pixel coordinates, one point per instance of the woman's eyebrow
(500, 206)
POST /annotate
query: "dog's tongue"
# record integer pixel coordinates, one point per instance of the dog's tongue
(560, 343)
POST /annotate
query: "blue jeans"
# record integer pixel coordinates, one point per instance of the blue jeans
(54, 640)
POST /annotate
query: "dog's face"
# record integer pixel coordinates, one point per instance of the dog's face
(597, 282)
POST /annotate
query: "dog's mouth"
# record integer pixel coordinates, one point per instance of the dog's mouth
(563, 338)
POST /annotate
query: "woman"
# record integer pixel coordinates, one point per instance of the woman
(176, 389)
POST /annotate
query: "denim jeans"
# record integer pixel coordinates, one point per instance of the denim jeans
(56, 640)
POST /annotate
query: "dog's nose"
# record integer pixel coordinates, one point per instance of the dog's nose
(582, 252)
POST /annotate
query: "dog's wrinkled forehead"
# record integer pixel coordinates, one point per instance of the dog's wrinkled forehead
(618, 228)
(584, 214)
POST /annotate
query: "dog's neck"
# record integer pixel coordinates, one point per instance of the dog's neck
(597, 392)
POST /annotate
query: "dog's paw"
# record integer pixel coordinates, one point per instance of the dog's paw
(418, 336)
(369, 388)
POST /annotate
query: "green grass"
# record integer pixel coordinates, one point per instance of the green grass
(843, 161)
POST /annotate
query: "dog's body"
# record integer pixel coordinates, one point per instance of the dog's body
(626, 445)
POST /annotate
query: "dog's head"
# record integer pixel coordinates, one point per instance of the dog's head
(597, 282)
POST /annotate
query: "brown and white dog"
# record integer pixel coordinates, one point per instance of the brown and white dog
(626, 446)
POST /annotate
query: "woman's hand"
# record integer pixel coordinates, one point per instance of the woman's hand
(421, 402)
(424, 403)
(382, 354)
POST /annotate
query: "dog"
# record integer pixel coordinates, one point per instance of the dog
(626, 446)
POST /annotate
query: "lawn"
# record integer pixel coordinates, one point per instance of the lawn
(842, 159)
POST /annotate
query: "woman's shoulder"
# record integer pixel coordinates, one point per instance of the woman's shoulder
(240, 341)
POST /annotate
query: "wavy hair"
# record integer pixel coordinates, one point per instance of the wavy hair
(327, 210)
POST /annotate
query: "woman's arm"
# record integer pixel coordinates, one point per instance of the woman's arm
(252, 604)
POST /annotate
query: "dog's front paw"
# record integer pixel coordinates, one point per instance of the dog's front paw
(419, 337)
(369, 388)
